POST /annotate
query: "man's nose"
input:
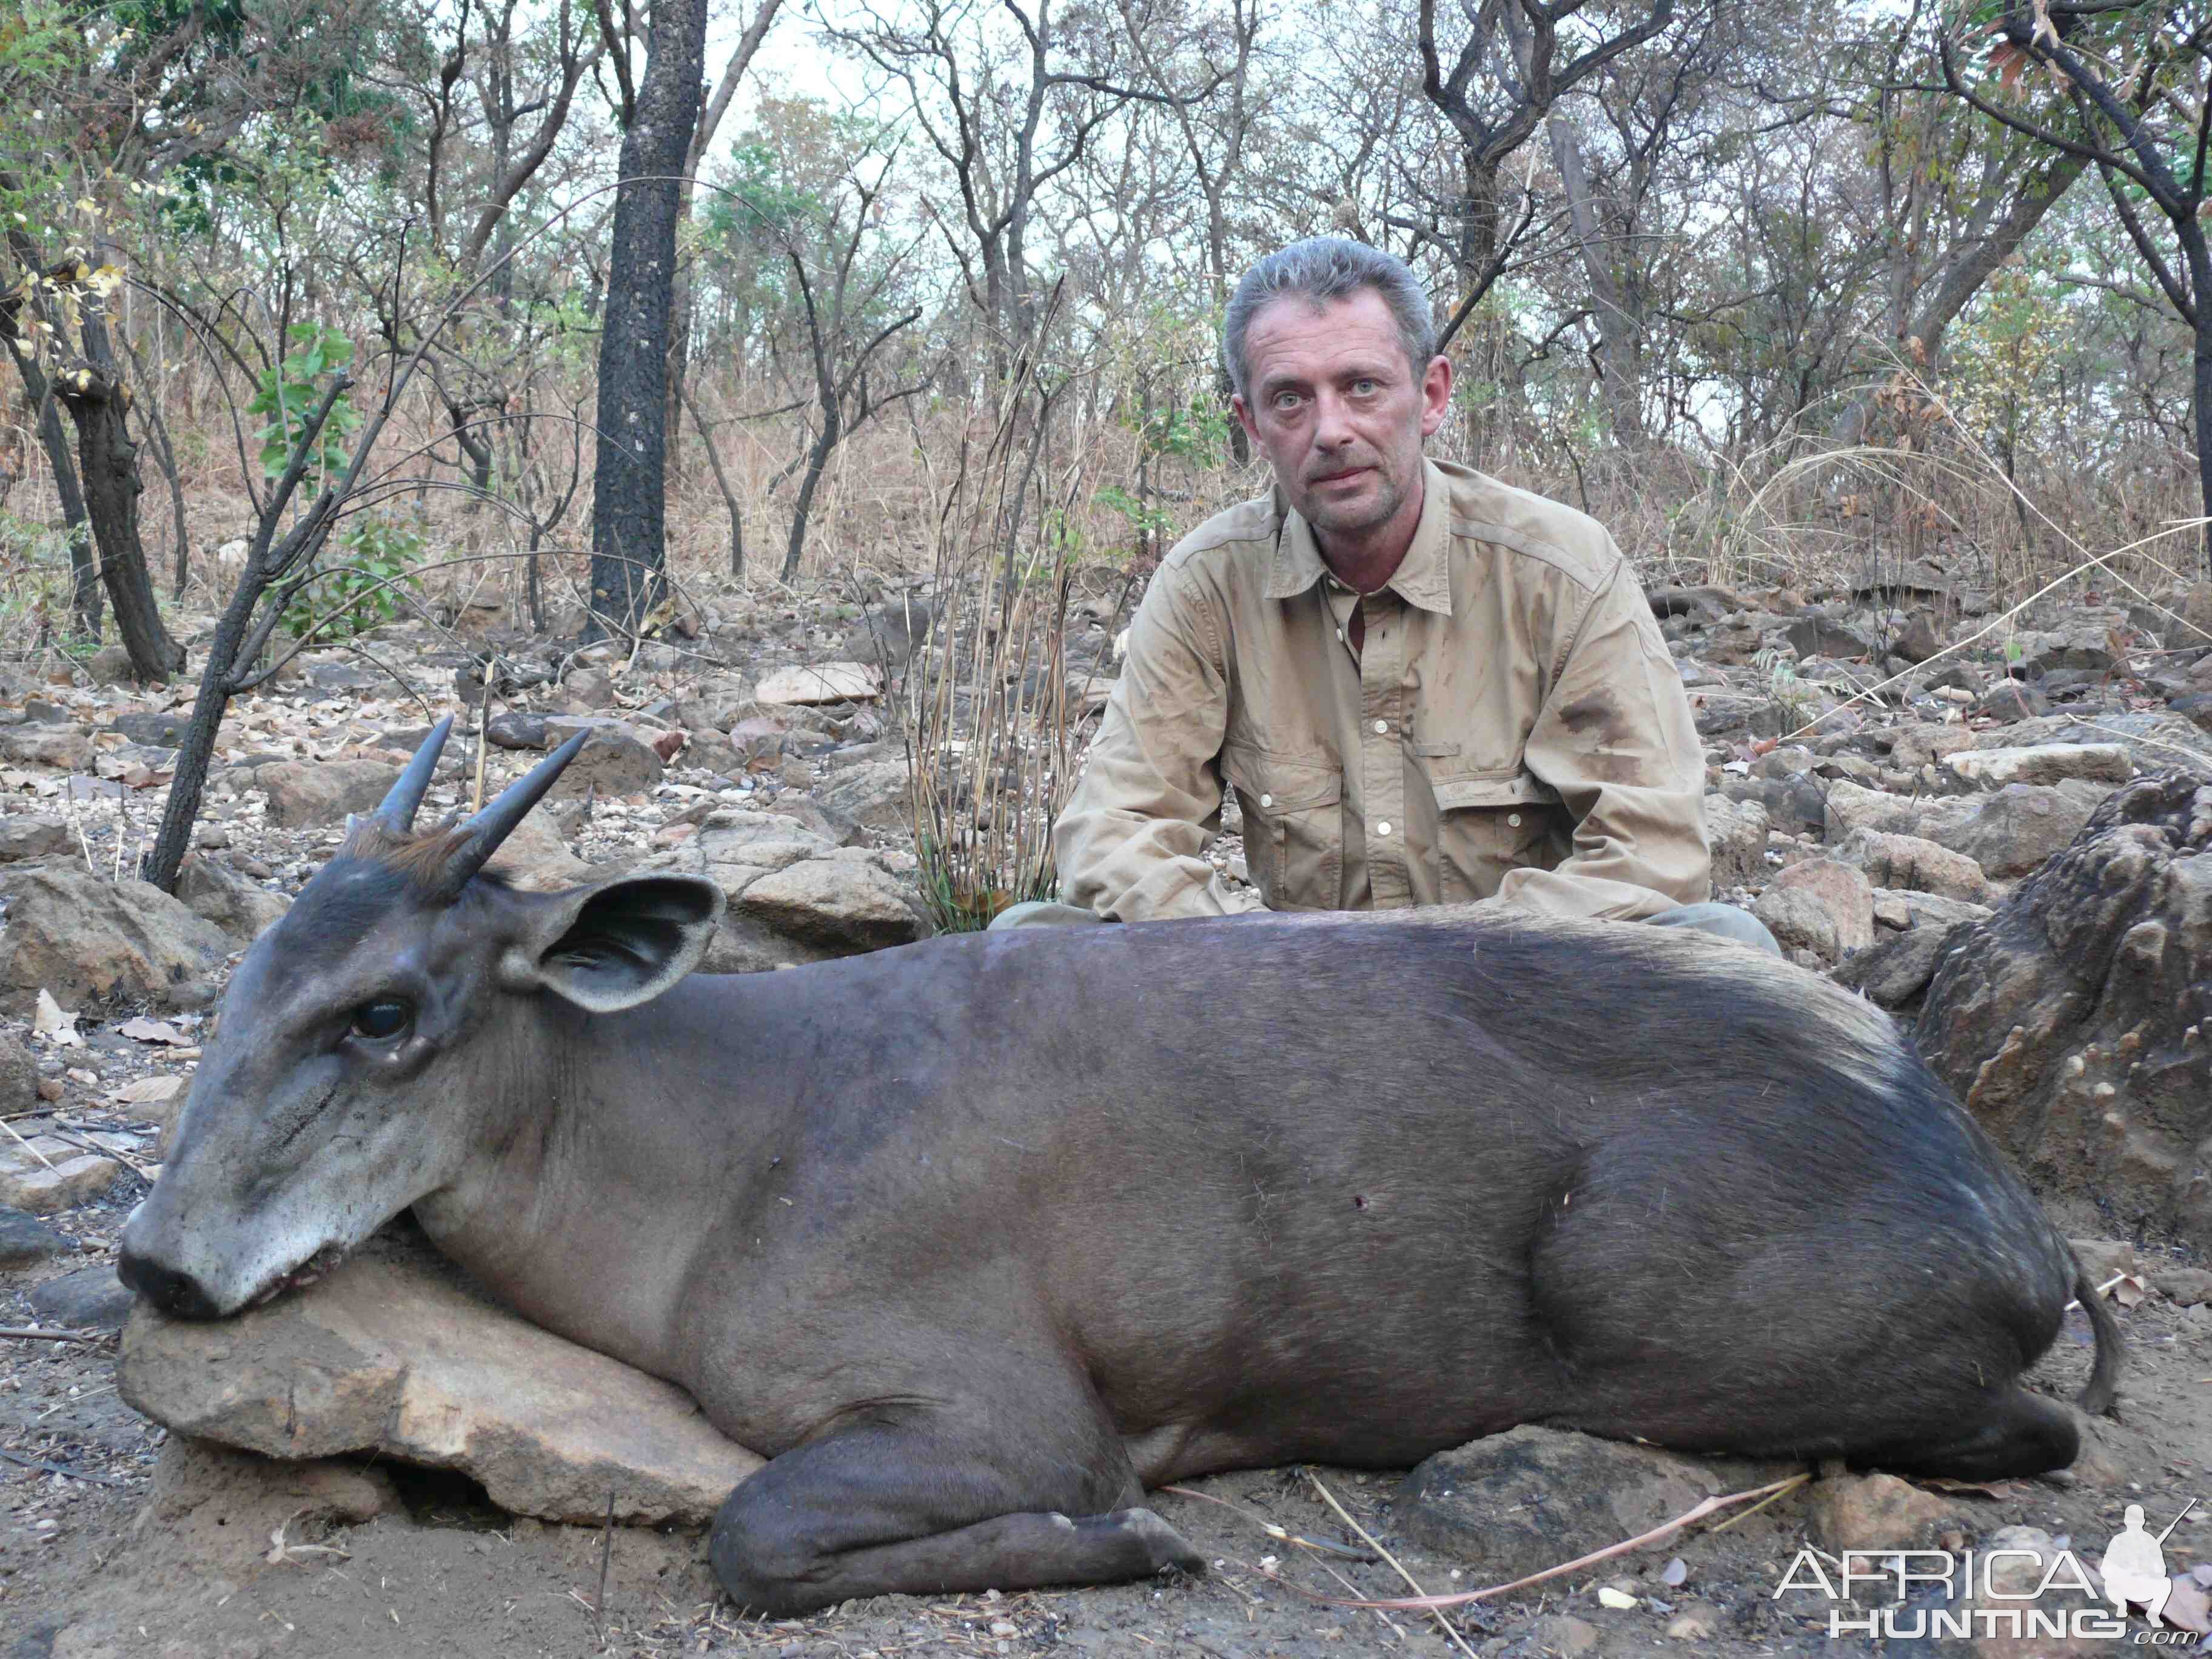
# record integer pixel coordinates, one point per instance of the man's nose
(1332, 421)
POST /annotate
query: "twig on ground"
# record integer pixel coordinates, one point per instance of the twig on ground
(606, 1557)
(1368, 1538)
(1664, 1530)
(26, 1146)
(34, 1333)
(61, 1469)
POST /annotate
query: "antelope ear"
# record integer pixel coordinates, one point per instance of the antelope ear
(614, 946)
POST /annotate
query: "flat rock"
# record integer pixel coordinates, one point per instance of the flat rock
(1874, 1511)
(2046, 763)
(2010, 701)
(212, 891)
(614, 761)
(63, 746)
(822, 682)
(840, 903)
(160, 730)
(516, 730)
(85, 938)
(392, 1355)
(1736, 830)
(311, 794)
(875, 793)
(1532, 1498)
(23, 835)
(89, 1299)
(24, 1239)
(70, 1176)
(1913, 861)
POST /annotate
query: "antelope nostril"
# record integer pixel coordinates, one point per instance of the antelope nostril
(177, 1294)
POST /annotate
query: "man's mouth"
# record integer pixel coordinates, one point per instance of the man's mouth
(1344, 477)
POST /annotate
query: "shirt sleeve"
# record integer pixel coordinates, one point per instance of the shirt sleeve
(1616, 740)
(1130, 845)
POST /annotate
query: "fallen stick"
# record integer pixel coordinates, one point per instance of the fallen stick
(32, 1333)
(56, 1468)
(1665, 1528)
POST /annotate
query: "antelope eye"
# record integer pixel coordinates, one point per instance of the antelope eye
(382, 1019)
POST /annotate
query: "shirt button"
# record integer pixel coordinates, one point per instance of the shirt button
(1384, 827)
(1266, 800)
(1513, 819)
(1339, 636)
(1382, 726)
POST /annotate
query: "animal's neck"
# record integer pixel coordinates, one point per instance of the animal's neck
(597, 1174)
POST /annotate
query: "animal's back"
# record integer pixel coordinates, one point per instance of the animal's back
(1357, 1187)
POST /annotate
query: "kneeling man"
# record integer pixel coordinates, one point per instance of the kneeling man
(1424, 686)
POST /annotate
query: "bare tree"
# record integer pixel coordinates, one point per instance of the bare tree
(630, 472)
(2135, 81)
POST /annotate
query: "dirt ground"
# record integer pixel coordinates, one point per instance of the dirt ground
(97, 1565)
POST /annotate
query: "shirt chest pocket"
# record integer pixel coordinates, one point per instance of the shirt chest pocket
(1294, 825)
(1488, 825)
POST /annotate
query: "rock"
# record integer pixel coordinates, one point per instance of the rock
(19, 1073)
(536, 857)
(2101, 1258)
(85, 939)
(1874, 1512)
(2072, 1021)
(1737, 833)
(1796, 803)
(1697, 1622)
(2189, 1287)
(24, 837)
(2196, 707)
(876, 794)
(1562, 1634)
(89, 1299)
(61, 746)
(759, 738)
(214, 893)
(68, 1177)
(1893, 860)
(219, 1506)
(516, 730)
(389, 1356)
(842, 904)
(588, 688)
(2049, 762)
(823, 682)
(25, 1239)
(1842, 920)
(2008, 700)
(156, 731)
(313, 794)
(886, 634)
(110, 666)
(2019, 1559)
(2008, 833)
(1918, 640)
(1915, 746)
(612, 762)
(1817, 635)
(1897, 968)
(1532, 1498)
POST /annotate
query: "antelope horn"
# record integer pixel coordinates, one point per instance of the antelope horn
(397, 814)
(497, 821)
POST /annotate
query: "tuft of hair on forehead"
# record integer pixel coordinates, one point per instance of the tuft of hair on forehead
(419, 857)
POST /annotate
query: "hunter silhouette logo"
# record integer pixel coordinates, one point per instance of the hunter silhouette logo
(2134, 1565)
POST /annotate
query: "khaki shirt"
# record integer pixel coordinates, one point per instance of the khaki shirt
(1513, 727)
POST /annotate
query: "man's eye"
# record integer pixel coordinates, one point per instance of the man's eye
(378, 1020)
(1286, 401)
(1363, 388)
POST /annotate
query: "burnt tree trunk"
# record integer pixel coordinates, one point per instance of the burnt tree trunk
(629, 502)
(76, 526)
(98, 398)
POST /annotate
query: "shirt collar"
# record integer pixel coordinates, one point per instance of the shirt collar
(1423, 578)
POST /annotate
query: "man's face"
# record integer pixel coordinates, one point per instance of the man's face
(1339, 413)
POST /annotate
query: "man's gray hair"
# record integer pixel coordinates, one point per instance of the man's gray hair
(1319, 269)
